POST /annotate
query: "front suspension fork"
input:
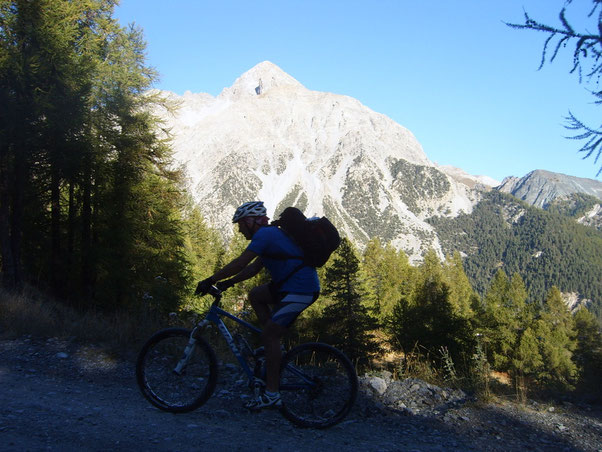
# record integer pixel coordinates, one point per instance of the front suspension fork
(189, 350)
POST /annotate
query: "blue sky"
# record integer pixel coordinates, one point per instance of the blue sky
(451, 72)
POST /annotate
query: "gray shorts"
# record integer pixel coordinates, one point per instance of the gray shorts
(290, 305)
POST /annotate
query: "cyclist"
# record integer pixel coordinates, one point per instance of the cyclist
(293, 288)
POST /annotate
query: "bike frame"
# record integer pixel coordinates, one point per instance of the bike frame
(214, 316)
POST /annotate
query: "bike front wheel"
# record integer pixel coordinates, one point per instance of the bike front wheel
(170, 387)
(318, 385)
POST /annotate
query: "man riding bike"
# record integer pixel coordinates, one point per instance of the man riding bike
(293, 288)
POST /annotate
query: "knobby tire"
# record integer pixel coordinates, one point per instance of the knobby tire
(318, 385)
(161, 385)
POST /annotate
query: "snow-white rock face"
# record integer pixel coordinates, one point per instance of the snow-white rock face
(593, 217)
(268, 137)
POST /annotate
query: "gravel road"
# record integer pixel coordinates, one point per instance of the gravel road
(61, 395)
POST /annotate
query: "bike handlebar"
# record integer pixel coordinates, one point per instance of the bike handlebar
(216, 294)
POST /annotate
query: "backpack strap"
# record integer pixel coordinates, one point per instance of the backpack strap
(278, 285)
(282, 256)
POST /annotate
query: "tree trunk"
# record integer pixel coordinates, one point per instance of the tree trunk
(16, 219)
(55, 231)
(86, 251)
(71, 225)
(6, 255)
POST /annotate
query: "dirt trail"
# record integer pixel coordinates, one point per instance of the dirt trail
(56, 395)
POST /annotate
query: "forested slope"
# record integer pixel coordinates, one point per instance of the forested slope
(546, 248)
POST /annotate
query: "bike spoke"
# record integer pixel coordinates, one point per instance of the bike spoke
(318, 386)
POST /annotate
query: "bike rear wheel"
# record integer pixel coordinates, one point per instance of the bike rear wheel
(172, 391)
(318, 385)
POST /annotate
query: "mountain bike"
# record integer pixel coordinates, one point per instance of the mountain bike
(177, 369)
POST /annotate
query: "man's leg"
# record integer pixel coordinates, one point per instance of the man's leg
(260, 298)
(273, 355)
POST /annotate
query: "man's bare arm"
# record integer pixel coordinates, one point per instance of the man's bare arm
(242, 264)
(248, 272)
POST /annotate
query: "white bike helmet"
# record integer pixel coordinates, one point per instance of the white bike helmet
(250, 209)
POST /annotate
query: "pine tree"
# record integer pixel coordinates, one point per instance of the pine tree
(588, 353)
(462, 295)
(388, 276)
(135, 228)
(203, 244)
(347, 320)
(498, 324)
(428, 319)
(526, 362)
(557, 341)
(518, 295)
(430, 270)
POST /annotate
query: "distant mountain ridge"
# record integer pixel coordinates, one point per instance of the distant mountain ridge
(576, 197)
(539, 188)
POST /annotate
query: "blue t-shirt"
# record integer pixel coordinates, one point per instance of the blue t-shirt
(270, 240)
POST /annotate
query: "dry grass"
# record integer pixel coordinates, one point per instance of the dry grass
(501, 377)
(31, 314)
(417, 365)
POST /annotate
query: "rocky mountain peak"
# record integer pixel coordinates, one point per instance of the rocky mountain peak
(267, 137)
(539, 187)
(259, 80)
